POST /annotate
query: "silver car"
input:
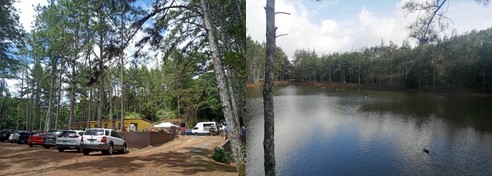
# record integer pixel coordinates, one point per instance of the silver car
(14, 137)
(102, 139)
(69, 139)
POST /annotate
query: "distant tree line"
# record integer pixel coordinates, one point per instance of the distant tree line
(456, 63)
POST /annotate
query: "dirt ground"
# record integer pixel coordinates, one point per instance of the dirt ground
(188, 155)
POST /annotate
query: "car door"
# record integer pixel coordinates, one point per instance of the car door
(117, 140)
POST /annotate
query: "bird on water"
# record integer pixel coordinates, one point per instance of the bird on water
(426, 151)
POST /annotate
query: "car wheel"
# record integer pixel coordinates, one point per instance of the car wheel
(30, 145)
(125, 149)
(61, 150)
(86, 152)
(78, 150)
(46, 147)
(110, 149)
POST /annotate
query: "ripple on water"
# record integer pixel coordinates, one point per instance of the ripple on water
(321, 132)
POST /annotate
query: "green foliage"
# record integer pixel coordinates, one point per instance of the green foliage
(461, 62)
(10, 37)
(221, 155)
(132, 115)
(166, 114)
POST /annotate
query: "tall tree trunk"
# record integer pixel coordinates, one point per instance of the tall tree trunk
(58, 104)
(223, 91)
(72, 96)
(434, 78)
(89, 117)
(483, 80)
(269, 141)
(122, 67)
(100, 106)
(47, 125)
(122, 96)
(111, 103)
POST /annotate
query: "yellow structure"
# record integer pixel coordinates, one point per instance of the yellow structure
(131, 125)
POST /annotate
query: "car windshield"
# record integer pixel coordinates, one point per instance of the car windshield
(38, 134)
(94, 132)
(68, 133)
(52, 132)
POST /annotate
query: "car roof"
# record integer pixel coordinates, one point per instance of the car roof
(98, 129)
(74, 130)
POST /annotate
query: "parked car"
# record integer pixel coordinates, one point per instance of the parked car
(101, 139)
(14, 137)
(23, 137)
(205, 128)
(50, 138)
(5, 134)
(69, 139)
(188, 131)
(36, 139)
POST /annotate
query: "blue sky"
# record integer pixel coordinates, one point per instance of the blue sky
(345, 25)
(27, 14)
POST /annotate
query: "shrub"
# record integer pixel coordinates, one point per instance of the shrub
(221, 155)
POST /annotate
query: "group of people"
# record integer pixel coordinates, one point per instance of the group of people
(224, 130)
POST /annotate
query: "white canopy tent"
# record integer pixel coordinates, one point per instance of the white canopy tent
(165, 125)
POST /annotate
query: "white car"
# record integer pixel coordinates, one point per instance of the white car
(102, 139)
(69, 139)
(14, 137)
(204, 128)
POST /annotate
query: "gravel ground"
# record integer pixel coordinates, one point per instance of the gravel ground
(187, 155)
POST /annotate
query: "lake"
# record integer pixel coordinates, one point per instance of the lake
(358, 131)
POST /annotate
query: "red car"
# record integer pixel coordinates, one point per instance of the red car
(36, 139)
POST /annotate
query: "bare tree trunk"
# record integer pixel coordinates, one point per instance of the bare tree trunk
(111, 103)
(89, 117)
(269, 141)
(47, 125)
(59, 95)
(483, 80)
(434, 78)
(122, 96)
(72, 96)
(223, 91)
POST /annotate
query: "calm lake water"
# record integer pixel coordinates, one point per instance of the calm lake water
(357, 131)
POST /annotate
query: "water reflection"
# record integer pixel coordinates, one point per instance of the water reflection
(367, 132)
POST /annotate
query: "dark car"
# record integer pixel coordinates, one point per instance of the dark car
(50, 138)
(23, 137)
(188, 132)
(5, 134)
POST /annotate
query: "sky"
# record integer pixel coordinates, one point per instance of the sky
(329, 26)
(26, 12)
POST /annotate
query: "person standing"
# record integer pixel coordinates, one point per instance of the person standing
(183, 128)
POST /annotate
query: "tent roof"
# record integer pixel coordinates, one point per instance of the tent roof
(165, 125)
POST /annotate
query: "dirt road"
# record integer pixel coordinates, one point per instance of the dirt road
(188, 155)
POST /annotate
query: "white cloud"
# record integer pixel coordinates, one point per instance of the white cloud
(27, 13)
(330, 35)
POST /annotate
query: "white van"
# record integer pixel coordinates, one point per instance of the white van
(204, 128)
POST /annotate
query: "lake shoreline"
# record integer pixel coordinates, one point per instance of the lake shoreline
(331, 85)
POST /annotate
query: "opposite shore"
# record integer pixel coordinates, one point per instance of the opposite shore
(330, 85)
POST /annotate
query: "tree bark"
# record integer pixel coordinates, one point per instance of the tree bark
(223, 91)
(47, 125)
(89, 117)
(111, 103)
(72, 96)
(483, 80)
(59, 95)
(269, 141)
